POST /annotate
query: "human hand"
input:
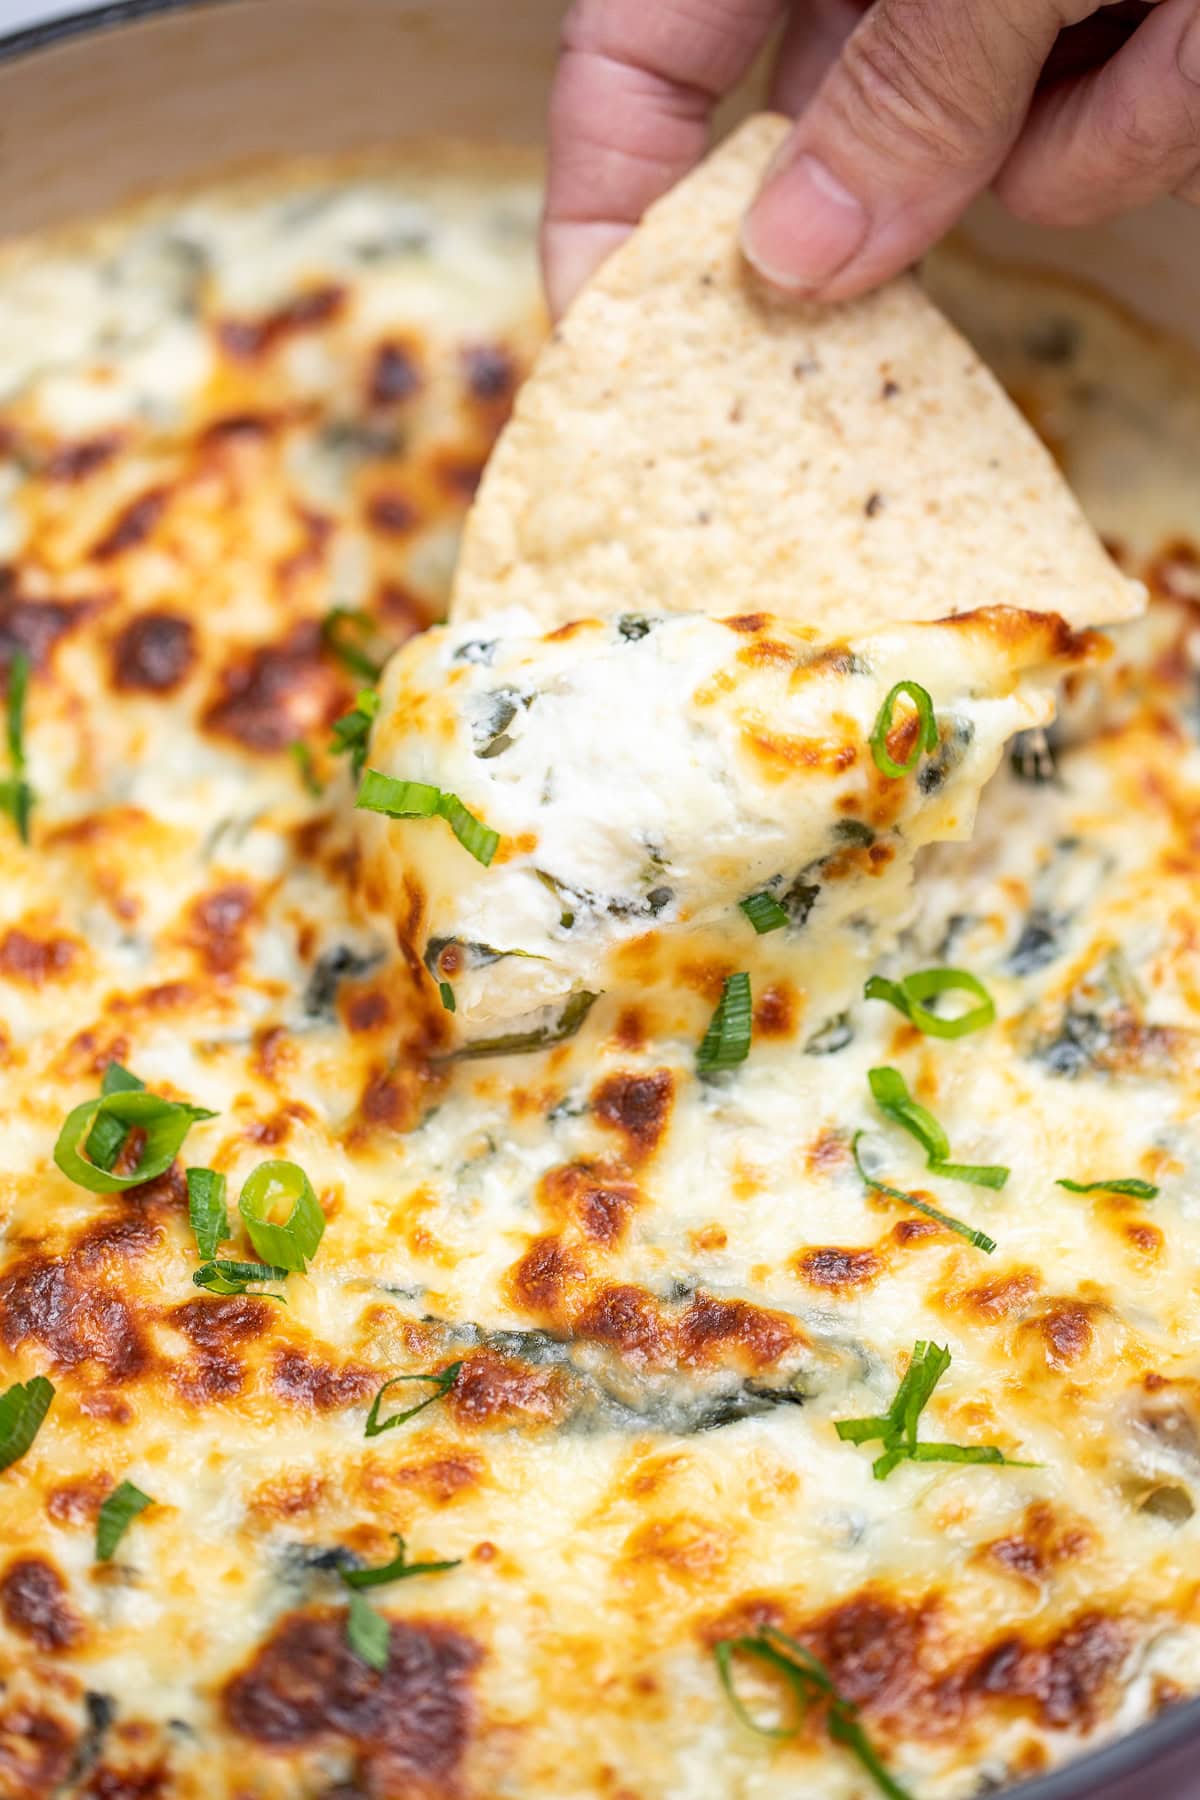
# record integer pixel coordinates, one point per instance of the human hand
(1072, 111)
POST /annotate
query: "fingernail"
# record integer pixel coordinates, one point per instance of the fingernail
(1189, 51)
(804, 226)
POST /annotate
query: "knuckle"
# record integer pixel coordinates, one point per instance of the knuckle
(899, 90)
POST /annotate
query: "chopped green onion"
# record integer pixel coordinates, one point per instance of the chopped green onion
(889, 1090)
(302, 756)
(290, 1243)
(355, 639)
(897, 1428)
(927, 733)
(399, 1569)
(207, 1215)
(980, 1239)
(764, 913)
(368, 1633)
(116, 1516)
(988, 1175)
(352, 731)
(727, 1040)
(418, 800)
(809, 1681)
(517, 1043)
(443, 1381)
(907, 996)
(447, 996)
(890, 1093)
(22, 1409)
(1137, 1190)
(117, 1080)
(223, 1277)
(103, 1126)
(16, 795)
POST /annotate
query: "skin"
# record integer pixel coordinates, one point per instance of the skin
(905, 110)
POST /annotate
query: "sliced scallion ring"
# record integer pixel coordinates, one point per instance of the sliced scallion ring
(927, 732)
(291, 1242)
(908, 995)
(88, 1145)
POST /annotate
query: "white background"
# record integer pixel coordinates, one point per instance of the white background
(14, 13)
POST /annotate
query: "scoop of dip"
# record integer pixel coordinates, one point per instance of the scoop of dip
(647, 775)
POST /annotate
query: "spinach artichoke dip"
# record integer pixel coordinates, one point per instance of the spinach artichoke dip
(655, 1255)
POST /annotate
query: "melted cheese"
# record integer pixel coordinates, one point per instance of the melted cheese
(219, 418)
(646, 776)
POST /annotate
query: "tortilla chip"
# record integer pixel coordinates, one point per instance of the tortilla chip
(690, 441)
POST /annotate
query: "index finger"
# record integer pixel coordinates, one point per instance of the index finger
(629, 112)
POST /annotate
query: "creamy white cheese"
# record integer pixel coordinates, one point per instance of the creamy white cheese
(647, 774)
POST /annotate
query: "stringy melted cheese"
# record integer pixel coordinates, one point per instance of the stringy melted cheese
(218, 419)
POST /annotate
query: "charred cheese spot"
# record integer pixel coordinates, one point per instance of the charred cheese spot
(411, 1725)
(301, 1378)
(34, 1604)
(638, 1107)
(835, 1269)
(246, 340)
(395, 374)
(79, 1318)
(491, 1389)
(153, 654)
(133, 525)
(279, 693)
(34, 961)
(36, 1753)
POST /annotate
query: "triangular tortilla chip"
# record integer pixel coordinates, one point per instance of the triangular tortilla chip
(689, 441)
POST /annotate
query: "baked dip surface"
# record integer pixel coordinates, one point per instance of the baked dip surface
(641, 1296)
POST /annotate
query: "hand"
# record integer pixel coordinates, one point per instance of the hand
(906, 109)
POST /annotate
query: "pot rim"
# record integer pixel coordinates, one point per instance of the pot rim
(1084, 1777)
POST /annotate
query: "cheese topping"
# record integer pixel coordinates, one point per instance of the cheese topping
(639, 1300)
(648, 775)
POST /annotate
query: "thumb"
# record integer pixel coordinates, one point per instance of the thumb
(912, 121)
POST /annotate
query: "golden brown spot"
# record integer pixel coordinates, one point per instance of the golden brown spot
(767, 653)
(629, 1321)
(304, 1380)
(34, 626)
(459, 476)
(34, 961)
(410, 1726)
(279, 693)
(60, 1303)
(78, 1502)
(392, 514)
(153, 653)
(108, 1783)
(1065, 1679)
(220, 1324)
(443, 1478)
(133, 525)
(1046, 1539)
(683, 1547)
(1065, 1327)
(780, 755)
(544, 1277)
(708, 1237)
(33, 1600)
(245, 340)
(1174, 573)
(36, 1754)
(775, 1011)
(637, 1106)
(748, 623)
(996, 1298)
(75, 462)
(630, 1030)
(405, 612)
(366, 1011)
(598, 1201)
(396, 1101)
(219, 922)
(288, 1497)
(838, 1269)
(828, 1151)
(1144, 1239)
(496, 1390)
(710, 1325)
